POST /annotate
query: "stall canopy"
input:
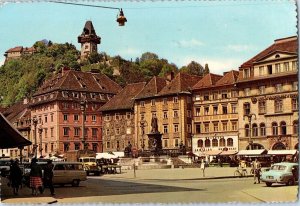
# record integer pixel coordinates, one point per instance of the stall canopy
(9, 136)
(228, 152)
(213, 152)
(252, 152)
(282, 152)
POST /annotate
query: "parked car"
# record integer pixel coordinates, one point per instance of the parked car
(4, 167)
(283, 173)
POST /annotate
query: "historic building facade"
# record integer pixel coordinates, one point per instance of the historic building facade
(170, 101)
(268, 98)
(61, 104)
(215, 114)
(17, 52)
(118, 119)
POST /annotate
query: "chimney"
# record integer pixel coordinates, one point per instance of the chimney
(170, 76)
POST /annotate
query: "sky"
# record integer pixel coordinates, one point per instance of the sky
(223, 34)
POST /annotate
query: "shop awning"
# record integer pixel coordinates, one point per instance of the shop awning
(105, 155)
(9, 136)
(282, 152)
(252, 152)
(228, 152)
(213, 152)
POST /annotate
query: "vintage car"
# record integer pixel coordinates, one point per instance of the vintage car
(283, 173)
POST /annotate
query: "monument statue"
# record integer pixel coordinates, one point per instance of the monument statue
(154, 125)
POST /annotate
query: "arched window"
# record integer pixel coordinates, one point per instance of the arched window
(274, 128)
(222, 142)
(279, 146)
(229, 142)
(282, 128)
(247, 130)
(207, 143)
(255, 146)
(262, 129)
(295, 127)
(200, 143)
(214, 142)
(254, 130)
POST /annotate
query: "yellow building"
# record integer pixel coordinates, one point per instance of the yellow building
(268, 98)
(215, 114)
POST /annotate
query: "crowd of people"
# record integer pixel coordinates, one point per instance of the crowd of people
(37, 181)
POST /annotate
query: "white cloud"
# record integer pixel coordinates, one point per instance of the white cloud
(216, 65)
(240, 47)
(189, 43)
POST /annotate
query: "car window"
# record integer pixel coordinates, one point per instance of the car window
(70, 167)
(278, 167)
(59, 167)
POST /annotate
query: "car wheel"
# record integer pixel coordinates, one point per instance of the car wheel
(75, 183)
(269, 184)
(290, 182)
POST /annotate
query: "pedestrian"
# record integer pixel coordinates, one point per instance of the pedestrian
(256, 166)
(48, 176)
(15, 177)
(35, 177)
(202, 166)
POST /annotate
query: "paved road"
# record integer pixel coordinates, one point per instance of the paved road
(160, 188)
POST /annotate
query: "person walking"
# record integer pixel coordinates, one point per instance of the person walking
(202, 166)
(48, 176)
(15, 177)
(256, 170)
(35, 177)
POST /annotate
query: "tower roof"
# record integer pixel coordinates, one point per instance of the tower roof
(88, 29)
(89, 34)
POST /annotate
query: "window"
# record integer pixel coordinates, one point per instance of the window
(165, 115)
(65, 117)
(66, 147)
(117, 116)
(247, 92)
(234, 126)
(200, 143)
(206, 97)
(282, 128)
(224, 125)
(189, 128)
(224, 95)
(233, 108)
(166, 143)
(246, 108)
(230, 142)
(295, 127)
(52, 131)
(189, 113)
(197, 112)
(215, 95)
(216, 126)
(152, 102)
(165, 129)
(262, 89)
(66, 131)
(107, 117)
(261, 70)
(215, 143)
(277, 68)
(93, 118)
(234, 93)
(142, 103)
(294, 65)
(206, 110)
(295, 86)
(206, 127)
(198, 128)
(94, 131)
(286, 66)
(224, 109)
(261, 107)
(215, 110)
(107, 145)
(117, 131)
(107, 131)
(246, 73)
(165, 101)
(51, 117)
(197, 97)
(175, 128)
(142, 116)
(254, 130)
(269, 69)
(46, 119)
(85, 131)
(262, 129)
(247, 130)
(128, 115)
(278, 87)
(274, 128)
(175, 99)
(278, 105)
(222, 142)
(76, 131)
(77, 146)
(176, 142)
(76, 117)
(294, 104)
(207, 143)
(176, 113)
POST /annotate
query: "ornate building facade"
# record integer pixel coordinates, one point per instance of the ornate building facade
(268, 98)
(215, 114)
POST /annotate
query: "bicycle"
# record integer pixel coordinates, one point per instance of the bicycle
(240, 172)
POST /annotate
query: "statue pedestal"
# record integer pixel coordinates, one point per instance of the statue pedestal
(154, 142)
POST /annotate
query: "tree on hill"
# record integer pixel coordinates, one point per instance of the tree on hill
(206, 69)
(193, 68)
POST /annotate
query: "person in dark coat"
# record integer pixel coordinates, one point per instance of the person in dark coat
(36, 177)
(15, 177)
(48, 176)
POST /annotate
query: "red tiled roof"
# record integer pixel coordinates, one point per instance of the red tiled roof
(181, 83)
(125, 98)
(289, 44)
(15, 111)
(30, 49)
(207, 81)
(80, 81)
(154, 86)
(229, 78)
(15, 49)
